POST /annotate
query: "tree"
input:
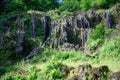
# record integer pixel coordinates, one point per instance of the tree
(86, 4)
(8, 6)
(70, 5)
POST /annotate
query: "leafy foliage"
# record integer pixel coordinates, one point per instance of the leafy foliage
(72, 5)
(23, 5)
(86, 4)
(98, 32)
(51, 69)
(111, 48)
(97, 36)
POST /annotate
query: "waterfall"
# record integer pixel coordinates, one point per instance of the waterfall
(43, 21)
(33, 27)
(109, 20)
(83, 36)
(18, 48)
(63, 35)
(45, 26)
(85, 25)
(69, 21)
(1, 39)
(20, 32)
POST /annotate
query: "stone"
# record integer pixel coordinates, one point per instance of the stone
(35, 51)
(115, 75)
(65, 70)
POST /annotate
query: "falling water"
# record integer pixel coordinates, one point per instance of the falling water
(63, 36)
(18, 48)
(70, 21)
(84, 36)
(33, 27)
(85, 25)
(1, 39)
(45, 26)
(109, 20)
(20, 31)
(43, 21)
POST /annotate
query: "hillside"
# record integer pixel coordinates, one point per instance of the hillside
(62, 40)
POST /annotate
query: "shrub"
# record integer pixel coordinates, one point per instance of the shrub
(86, 4)
(63, 55)
(51, 69)
(94, 44)
(98, 32)
(98, 36)
(32, 73)
(56, 74)
(111, 48)
(10, 76)
(70, 5)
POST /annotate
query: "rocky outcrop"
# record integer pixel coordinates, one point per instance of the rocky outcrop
(61, 33)
(115, 76)
(87, 72)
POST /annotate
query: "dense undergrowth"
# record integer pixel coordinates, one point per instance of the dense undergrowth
(46, 65)
(102, 47)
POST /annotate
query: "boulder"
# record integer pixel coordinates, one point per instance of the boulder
(115, 76)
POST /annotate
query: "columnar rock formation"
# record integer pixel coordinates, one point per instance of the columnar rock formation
(67, 31)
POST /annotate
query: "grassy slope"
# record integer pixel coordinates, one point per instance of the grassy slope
(44, 65)
(71, 58)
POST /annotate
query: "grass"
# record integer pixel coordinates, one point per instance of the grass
(46, 64)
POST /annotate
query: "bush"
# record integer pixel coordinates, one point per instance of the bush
(98, 32)
(111, 48)
(98, 36)
(51, 69)
(64, 55)
(94, 44)
(70, 5)
(56, 74)
(86, 4)
(10, 76)
(32, 73)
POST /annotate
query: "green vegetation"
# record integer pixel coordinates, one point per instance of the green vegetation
(46, 65)
(101, 48)
(73, 5)
(23, 5)
(98, 36)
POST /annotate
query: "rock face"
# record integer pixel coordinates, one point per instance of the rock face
(65, 32)
(87, 72)
(115, 76)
